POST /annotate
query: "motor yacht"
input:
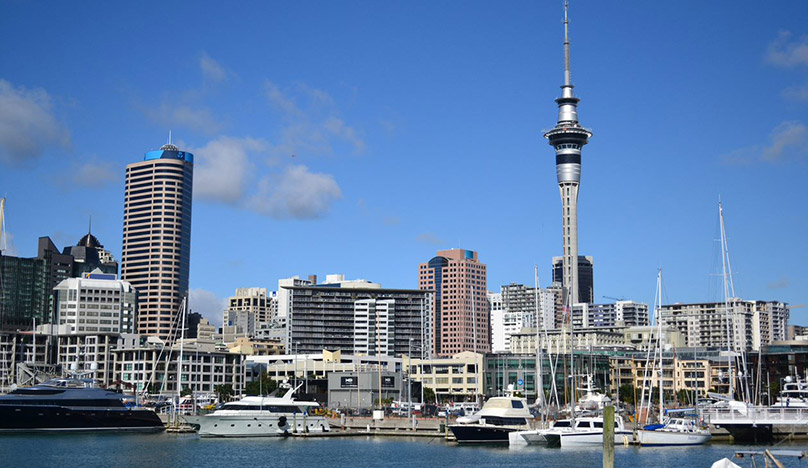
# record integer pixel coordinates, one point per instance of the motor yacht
(584, 430)
(257, 416)
(498, 417)
(73, 405)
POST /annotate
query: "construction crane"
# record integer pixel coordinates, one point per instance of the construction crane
(614, 298)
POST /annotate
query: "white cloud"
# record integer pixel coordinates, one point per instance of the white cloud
(180, 115)
(430, 239)
(7, 245)
(338, 128)
(280, 100)
(27, 124)
(796, 93)
(208, 304)
(787, 53)
(312, 124)
(296, 194)
(781, 283)
(223, 170)
(94, 174)
(788, 139)
(211, 69)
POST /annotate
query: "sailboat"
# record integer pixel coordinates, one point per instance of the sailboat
(670, 431)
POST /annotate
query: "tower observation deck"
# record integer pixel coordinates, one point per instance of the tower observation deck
(568, 137)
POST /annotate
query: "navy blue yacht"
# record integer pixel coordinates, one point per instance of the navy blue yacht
(68, 405)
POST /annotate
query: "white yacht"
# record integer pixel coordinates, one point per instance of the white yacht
(585, 430)
(498, 417)
(256, 416)
(673, 431)
(793, 395)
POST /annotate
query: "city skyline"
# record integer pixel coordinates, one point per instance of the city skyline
(330, 137)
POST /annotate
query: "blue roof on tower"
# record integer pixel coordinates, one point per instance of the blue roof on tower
(169, 152)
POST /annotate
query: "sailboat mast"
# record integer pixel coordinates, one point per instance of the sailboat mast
(536, 321)
(728, 316)
(658, 304)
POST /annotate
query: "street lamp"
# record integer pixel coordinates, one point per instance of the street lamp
(409, 380)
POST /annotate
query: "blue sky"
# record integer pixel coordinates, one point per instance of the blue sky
(362, 137)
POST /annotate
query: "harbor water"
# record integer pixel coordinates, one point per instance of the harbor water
(164, 450)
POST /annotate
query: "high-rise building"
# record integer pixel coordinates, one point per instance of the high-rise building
(586, 277)
(567, 138)
(619, 314)
(96, 303)
(461, 311)
(157, 236)
(89, 255)
(357, 317)
(751, 324)
(248, 310)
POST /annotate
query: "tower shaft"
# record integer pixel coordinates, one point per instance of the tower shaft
(567, 138)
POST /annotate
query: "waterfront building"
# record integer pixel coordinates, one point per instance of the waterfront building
(97, 303)
(586, 277)
(90, 353)
(520, 371)
(460, 314)
(360, 389)
(248, 310)
(753, 323)
(315, 371)
(567, 138)
(456, 378)
(156, 252)
(23, 356)
(686, 370)
(356, 317)
(621, 313)
(147, 363)
(608, 338)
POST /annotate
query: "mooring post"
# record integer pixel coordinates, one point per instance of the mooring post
(608, 437)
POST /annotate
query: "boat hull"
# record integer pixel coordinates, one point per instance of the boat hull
(584, 438)
(671, 438)
(482, 433)
(532, 437)
(755, 433)
(263, 425)
(54, 418)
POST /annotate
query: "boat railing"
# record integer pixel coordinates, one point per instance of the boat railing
(718, 415)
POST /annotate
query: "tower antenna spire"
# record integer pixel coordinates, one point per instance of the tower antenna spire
(567, 80)
(169, 137)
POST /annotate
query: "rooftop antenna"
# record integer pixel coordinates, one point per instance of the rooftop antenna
(169, 137)
(90, 229)
(567, 81)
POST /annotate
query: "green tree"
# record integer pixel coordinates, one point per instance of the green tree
(263, 385)
(429, 395)
(627, 393)
(186, 391)
(224, 392)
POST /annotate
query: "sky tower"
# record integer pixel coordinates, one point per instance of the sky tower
(568, 137)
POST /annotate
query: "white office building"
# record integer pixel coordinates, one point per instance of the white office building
(96, 303)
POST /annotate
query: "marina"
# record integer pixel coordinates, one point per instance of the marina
(137, 450)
